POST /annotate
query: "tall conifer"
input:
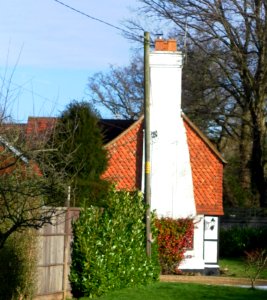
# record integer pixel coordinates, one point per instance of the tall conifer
(80, 141)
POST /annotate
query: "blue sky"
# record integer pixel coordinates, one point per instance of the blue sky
(53, 50)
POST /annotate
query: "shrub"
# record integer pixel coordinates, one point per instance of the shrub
(108, 250)
(235, 241)
(256, 262)
(175, 236)
(18, 266)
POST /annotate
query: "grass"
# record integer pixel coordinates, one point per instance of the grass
(173, 291)
(236, 268)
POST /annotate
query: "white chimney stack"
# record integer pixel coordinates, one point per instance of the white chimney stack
(171, 177)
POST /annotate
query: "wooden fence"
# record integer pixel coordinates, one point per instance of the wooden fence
(243, 217)
(55, 245)
(54, 256)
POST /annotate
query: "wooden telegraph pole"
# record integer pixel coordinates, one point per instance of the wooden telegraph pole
(147, 141)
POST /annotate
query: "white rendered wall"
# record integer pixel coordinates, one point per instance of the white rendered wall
(204, 254)
(171, 177)
(194, 258)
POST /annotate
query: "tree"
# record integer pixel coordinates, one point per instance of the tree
(79, 140)
(8, 94)
(31, 185)
(120, 91)
(233, 36)
(28, 197)
(256, 262)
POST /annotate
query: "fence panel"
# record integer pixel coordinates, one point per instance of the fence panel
(54, 256)
(251, 217)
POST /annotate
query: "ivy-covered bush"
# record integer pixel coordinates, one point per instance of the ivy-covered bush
(175, 236)
(109, 249)
(235, 241)
(18, 260)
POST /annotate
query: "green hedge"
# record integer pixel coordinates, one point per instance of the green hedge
(18, 266)
(235, 241)
(108, 251)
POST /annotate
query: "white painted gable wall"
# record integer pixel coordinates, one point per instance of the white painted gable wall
(171, 178)
(172, 191)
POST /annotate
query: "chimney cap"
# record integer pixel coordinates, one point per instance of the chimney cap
(159, 36)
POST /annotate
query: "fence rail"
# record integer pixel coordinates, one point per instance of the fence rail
(245, 212)
(252, 217)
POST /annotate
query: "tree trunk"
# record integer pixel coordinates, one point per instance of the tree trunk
(245, 156)
(259, 182)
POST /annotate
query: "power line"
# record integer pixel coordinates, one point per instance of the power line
(34, 93)
(23, 88)
(94, 18)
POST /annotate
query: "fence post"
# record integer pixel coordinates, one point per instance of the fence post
(66, 253)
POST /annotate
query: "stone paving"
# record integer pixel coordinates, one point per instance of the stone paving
(212, 280)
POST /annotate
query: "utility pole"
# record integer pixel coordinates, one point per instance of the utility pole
(147, 142)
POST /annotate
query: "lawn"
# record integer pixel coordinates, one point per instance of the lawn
(184, 291)
(236, 268)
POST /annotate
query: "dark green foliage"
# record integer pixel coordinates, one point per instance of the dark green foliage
(18, 267)
(108, 251)
(234, 242)
(79, 140)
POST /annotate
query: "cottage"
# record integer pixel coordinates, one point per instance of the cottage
(186, 169)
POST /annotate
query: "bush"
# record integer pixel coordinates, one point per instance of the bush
(256, 262)
(18, 266)
(108, 250)
(175, 236)
(234, 242)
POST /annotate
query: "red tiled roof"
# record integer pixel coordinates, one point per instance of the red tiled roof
(125, 158)
(125, 161)
(207, 172)
(125, 165)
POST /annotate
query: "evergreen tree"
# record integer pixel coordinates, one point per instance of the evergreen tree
(79, 139)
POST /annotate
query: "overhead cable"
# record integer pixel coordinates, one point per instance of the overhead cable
(94, 18)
